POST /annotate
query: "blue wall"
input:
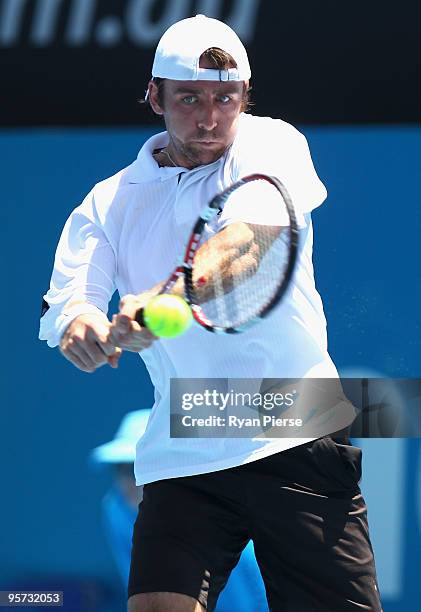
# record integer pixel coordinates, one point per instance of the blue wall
(367, 264)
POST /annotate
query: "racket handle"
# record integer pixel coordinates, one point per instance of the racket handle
(139, 318)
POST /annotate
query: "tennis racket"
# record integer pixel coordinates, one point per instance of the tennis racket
(237, 294)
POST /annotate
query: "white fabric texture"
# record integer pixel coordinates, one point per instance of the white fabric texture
(129, 234)
(178, 52)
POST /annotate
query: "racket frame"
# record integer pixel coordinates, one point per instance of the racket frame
(215, 205)
(187, 265)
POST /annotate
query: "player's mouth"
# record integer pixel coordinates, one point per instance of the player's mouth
(207, 143)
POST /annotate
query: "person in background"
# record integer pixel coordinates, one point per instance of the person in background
(244, 592)
(120, 503)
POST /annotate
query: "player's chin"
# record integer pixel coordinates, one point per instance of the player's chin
(207, 152)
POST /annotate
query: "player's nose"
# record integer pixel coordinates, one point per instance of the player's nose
(207, 119)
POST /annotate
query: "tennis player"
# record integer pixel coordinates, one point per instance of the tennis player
(298, 499)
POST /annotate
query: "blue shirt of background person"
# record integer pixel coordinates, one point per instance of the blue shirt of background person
(244, 591)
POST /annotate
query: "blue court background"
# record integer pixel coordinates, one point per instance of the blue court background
(367, 244)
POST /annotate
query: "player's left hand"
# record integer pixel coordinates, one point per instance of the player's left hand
(125, 332)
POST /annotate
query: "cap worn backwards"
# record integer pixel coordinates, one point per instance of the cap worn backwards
(178, 52)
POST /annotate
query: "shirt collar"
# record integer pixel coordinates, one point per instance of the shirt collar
(145, 169)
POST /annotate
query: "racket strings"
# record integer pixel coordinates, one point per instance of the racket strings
(245, 284)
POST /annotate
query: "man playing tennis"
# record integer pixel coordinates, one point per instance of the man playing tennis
(205, 498)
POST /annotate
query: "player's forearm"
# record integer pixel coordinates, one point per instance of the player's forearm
(225, 260)
(57, 317)
(229, 258)
(222, 262)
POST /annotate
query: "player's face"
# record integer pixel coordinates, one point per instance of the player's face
(201, 118)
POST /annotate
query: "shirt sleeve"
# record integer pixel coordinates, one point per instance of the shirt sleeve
(304, 186)
(276, 148)
(257, 202)
(83, 276)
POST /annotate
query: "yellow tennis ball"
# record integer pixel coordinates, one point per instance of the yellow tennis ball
(167, 315)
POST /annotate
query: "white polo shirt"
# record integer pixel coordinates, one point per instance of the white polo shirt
(129, 233)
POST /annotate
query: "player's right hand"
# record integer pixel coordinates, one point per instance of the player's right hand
(87, 345)
(125, 331)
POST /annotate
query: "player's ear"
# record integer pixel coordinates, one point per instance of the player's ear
(153, 97)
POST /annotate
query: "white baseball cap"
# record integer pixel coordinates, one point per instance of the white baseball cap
(178, 52)
(122, 449)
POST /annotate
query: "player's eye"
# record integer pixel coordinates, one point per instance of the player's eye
(189, 99)
(224, 98)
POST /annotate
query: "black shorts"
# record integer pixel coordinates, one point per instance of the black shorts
(302, 508)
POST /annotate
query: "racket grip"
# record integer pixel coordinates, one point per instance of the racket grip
(139, 318)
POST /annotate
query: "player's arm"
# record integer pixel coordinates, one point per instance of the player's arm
(74, 309)
(252, 219)
(228, 258)
(231, 254)
(86, 344)
(74, 313)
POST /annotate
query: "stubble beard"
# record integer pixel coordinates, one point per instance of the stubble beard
(193, 154)
(199, 156)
